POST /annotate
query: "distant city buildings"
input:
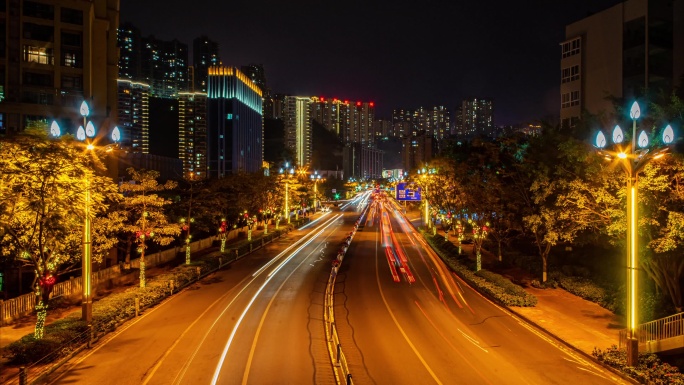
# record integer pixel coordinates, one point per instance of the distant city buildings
(161, 64)
(54, 55)
(475, 116)
(417, 150)
(235, 123)
(633, 47)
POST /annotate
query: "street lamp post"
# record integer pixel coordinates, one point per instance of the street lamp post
(315, 177)
(86, 133)
(425, 173)
(632, 160)
(287, 172)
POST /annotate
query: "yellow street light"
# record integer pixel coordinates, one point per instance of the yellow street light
(632, 158)
(86, 135)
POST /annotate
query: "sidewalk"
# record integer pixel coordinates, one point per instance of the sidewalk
(580, 324)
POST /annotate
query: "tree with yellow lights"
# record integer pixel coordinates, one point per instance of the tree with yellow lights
(42, 207)
(144, 209)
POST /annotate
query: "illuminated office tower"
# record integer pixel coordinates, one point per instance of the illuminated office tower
(298, 133)
(192, 130)
(133, 111)
(55, 55)
(205, 54)
(235, 123)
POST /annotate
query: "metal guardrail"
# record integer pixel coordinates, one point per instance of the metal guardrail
(337, 357)
(660, 329)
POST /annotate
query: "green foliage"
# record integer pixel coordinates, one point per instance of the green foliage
(494, 285)
(650, 369)
(61, 338)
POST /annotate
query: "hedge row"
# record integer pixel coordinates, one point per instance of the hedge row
(492, 284)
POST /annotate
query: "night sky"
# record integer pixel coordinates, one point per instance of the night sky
(394, 53)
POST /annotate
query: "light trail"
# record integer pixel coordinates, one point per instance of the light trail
(224, 354)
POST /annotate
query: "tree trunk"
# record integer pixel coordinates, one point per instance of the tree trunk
(500, 252)
(127, 261)
(143, 282)
(478, 256)
(545, 258)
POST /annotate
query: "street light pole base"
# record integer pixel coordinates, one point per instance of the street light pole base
(87, 311)
(632, 352)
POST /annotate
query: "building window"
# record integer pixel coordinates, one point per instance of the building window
(38, 10)
(72, 16)
(72, 82)
(38, 79)
(72, 39)
(39, 55)
(572, 47)
(71, 58)
(570, 99)
(38, 32)
(570, 74)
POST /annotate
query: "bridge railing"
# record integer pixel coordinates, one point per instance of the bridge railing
(656, 330)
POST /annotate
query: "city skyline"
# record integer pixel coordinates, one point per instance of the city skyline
(423, 64)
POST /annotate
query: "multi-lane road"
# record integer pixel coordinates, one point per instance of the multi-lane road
(403, 318)
(408, 320)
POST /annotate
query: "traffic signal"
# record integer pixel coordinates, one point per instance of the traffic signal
(337, 196)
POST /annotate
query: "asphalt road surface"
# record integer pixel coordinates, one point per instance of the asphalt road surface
(258, 321)
(404, 319)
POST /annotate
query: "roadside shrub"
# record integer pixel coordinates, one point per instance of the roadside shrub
(650, 369)
(491, 284)
(549, 284)
(61, 337)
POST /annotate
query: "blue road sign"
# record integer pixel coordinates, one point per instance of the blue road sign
(406, 193)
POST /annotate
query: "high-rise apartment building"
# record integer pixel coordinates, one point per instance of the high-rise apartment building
(235, 123)
(360, 130)
(56, 54)
(475, 117)
(161, 64)
(439, 122)
(634, 47)
(333, 114)
(298, 131)
(133, 112)
(165, 66)
(382, 128)
(129, 42)
(403, 122)
(192, 130)
(417, 150)
(205, 54)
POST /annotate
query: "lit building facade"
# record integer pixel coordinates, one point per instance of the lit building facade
(360, 129)
(333, 114)
(192, 130)
(55, 55)
(205, 54)
(129, 41)
(475, 117)
(296, 118)
(235, 123)
(417, 150)
(633, 46)
(133, 112)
